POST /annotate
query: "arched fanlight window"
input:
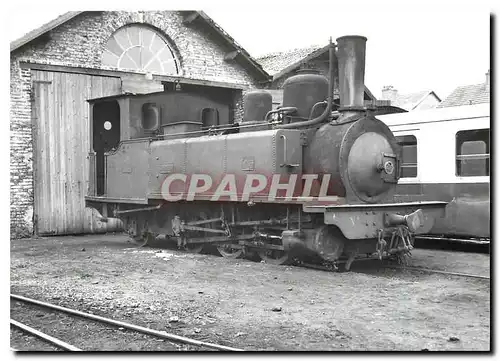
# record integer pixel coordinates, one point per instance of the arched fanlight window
(140, 48)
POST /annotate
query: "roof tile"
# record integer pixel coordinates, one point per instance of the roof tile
(273, 63)
(467, 95)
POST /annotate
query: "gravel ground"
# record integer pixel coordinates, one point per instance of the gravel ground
(21, 341)
(97, 336)
(250, 305)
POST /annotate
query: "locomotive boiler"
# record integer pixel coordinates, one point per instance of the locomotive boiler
(301, 180)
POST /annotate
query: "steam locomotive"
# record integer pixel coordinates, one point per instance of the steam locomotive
(301, 180)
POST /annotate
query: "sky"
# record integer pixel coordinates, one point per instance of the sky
(412, 45)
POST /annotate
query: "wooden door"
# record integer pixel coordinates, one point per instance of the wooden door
(61, 135)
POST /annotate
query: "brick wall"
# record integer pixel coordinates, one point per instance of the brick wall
(79, 43)
(21, 152)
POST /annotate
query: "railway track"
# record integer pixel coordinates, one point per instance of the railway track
(61, 344)
(340, 264)
(472, 241)
(54, 341)
(407, 268)
(468, 245)
(428, 270)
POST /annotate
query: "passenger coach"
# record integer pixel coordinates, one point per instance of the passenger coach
(446, 156)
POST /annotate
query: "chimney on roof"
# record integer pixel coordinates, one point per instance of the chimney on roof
(488, 78)
(389, 93)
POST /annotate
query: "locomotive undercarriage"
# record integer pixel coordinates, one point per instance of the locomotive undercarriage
(277, 234)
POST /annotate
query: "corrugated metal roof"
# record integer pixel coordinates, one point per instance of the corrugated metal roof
(467, 95)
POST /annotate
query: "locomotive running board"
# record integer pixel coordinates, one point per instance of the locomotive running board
(104, 199)
(338, 207)
(358, 221)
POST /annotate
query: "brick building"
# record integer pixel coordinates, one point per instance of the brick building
(82, 55)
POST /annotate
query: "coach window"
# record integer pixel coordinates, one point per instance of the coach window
(408, 144)
(473, 153)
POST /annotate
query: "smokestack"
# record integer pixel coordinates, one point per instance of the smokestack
(488, 78)
(351, 59)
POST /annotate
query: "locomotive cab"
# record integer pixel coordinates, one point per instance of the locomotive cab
(129, 122)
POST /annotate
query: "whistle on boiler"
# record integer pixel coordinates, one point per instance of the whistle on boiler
(413, 220)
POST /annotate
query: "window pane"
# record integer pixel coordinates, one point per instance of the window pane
(110, 59)
(135, 54)
(170, 67)
(473, 167)
(155, 66)
(146, 57)
(472, 150)
(147, 37)
(166, 54)
(409, 153)
(113, 47)
(409, 162)
(473, 147)
(127, 63)
(122, 39)
(133, 34)
(157, 45)
(408, 171)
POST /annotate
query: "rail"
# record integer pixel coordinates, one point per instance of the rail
(332, 268)
(144, 330)
(476, 241)
(44, 336)
(439, 271)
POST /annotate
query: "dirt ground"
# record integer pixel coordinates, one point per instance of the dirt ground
(231, 302)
